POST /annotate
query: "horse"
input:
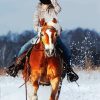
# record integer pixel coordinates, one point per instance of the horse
(44, 63)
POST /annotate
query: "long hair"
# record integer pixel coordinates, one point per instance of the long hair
(45, 1)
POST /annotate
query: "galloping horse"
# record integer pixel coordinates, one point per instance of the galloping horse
(45, 66)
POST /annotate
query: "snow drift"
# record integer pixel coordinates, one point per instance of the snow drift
(89, 88)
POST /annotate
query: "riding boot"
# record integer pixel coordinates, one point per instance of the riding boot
(16, 66)
(71, 75)
(65, 55)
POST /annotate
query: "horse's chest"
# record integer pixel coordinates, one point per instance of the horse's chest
(53, 71)
(50, 71)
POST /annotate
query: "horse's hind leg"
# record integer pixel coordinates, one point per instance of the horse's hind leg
(54, 84)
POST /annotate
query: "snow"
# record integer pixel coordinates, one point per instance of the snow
(89, 88)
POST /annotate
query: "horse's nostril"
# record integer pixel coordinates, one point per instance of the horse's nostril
(52, 51)
(47, 50)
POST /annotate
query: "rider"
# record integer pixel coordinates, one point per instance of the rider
(46, 10)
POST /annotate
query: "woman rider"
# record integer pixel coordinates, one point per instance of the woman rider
(47, 10)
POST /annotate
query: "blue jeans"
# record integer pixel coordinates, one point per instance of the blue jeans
(66, 54)
(27, 45)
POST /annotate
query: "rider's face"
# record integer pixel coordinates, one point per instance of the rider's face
(45, 6)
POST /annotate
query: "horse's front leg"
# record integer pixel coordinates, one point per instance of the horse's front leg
(33, 95)
(54, 83)
(35, 84)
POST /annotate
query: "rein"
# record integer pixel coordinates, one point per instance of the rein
(28, 59)
(34, 47)
(27, 69)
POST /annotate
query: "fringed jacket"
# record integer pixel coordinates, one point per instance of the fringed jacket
(47, 14)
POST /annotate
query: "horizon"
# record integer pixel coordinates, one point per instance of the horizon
(16, 16)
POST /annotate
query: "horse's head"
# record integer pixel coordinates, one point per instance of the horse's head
(49, 36)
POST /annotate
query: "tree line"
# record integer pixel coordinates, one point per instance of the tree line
(83, 43)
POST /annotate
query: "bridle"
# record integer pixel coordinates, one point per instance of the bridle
(49, 28)
(34, 47)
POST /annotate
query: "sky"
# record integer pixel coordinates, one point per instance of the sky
(16, 15)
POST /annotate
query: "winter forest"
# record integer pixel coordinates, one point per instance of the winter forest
(83, 43)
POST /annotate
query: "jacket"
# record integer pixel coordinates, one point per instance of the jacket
(47, 14)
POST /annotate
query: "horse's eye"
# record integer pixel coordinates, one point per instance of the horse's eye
(42, 35)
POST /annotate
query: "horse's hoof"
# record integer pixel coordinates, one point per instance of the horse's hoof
(35, 97)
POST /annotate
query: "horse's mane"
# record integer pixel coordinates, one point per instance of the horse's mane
(54, 23)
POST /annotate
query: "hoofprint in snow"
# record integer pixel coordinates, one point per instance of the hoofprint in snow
(89, 88)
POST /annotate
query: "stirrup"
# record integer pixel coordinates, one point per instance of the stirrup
(72, 76)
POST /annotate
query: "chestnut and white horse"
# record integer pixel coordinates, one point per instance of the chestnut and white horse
(45, 65)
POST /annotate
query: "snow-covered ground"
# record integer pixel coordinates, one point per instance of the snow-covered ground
(89, 88)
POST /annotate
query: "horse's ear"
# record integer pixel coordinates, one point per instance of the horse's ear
(54, 20)
(45, 24)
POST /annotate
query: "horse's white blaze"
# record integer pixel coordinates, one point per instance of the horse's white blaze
(50, 46)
